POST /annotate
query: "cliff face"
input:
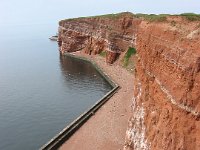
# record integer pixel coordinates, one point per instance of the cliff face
(110, 33)
(166, 101)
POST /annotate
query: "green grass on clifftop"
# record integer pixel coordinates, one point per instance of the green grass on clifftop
(110, 16)
(153, 17)
(191, 16)
(148, 17)
(113, 15)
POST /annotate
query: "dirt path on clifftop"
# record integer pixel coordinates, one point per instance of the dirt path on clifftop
(106, 129)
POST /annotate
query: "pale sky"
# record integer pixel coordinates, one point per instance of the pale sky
(48, 11)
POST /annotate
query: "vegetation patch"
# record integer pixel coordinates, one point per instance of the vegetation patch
(110, 16)
(107, 16)
(131, 51)
(153, 17)
(191, 16)
(148, 17)
(102, 53)
(114, 15)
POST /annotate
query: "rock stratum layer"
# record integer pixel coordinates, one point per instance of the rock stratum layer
(112, 34)
(166, 97)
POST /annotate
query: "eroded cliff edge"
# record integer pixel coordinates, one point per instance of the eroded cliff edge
(166, 96)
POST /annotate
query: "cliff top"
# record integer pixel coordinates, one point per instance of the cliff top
(109, 16)
(147, 17)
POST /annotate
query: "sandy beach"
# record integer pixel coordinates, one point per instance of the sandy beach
(105, 130)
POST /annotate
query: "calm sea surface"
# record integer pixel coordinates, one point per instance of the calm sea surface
(40, 91)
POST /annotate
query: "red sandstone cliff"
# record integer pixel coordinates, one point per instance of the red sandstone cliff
(110, 33)
(166, 106)
(166, 103)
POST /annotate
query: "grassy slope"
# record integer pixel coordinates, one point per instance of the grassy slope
(131, 51)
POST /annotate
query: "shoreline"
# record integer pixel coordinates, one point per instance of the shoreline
(107, 127)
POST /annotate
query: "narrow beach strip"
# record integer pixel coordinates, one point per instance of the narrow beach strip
(67, 132)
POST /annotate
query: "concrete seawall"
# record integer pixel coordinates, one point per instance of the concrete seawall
(67, 132)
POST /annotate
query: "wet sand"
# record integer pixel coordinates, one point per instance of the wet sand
(105, 130)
